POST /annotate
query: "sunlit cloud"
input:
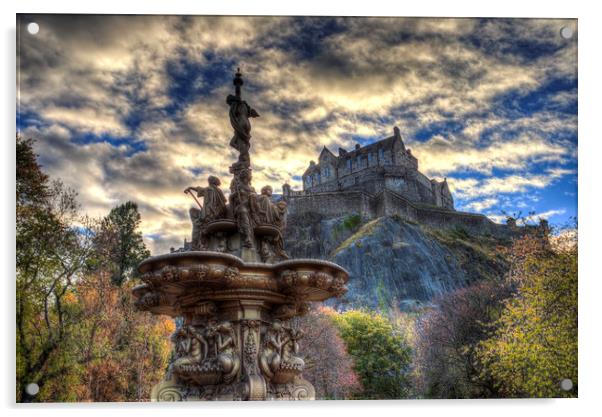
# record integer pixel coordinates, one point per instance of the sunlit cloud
(133, 107)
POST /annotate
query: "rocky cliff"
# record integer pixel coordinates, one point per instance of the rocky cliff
(392, 261)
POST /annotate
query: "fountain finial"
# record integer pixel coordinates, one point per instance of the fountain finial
(238, 82)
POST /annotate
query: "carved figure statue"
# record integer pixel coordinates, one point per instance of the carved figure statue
(207, 356)
(240, 112)
(280, 223)
(278, 360)
(191, 349)
(227, 358)
(290, 350)
(242, 201)
(265, 206)
(214, 207)
(274, 214)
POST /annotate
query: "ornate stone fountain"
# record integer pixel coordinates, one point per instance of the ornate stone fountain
(236, 291)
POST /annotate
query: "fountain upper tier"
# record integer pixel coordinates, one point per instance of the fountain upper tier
(175, 284)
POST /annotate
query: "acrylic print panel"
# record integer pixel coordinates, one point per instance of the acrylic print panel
(295, 208)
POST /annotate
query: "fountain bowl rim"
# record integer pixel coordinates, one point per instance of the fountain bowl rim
(238, 262)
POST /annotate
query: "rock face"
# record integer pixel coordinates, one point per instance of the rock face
(393, 262)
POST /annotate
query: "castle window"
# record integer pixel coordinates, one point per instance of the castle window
(327, 172)
(358, 161)
(381, 154)
(318, 177)
(349, 164)
(370, 158)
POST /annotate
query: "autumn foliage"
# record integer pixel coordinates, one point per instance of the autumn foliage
(328, 364)
(516, 337)
(78, 336)
(534, 346)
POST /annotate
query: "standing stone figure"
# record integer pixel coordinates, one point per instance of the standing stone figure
(242, 201)
(214, 208)
(240, 112)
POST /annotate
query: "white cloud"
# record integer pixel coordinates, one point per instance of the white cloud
(481, 205)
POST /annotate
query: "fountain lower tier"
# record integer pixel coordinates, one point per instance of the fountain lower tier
(235, 341)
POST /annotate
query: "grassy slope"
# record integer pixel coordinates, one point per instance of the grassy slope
(479, 255)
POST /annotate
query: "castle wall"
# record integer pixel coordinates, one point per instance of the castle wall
(326, 186)
(388, 203)
(447, 219)
(333, 204)
(395, 204)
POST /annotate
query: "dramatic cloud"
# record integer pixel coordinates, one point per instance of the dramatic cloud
(133, 107)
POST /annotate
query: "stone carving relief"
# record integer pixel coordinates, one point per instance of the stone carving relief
(279, 360)
(206, 355)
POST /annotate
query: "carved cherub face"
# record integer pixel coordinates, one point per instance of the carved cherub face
(267, 190)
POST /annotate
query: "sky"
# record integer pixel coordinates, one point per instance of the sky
(133, 107)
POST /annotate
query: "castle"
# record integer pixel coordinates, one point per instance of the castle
(382, 179)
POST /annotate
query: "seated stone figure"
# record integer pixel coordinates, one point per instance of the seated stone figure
(278, 360)
(227, 358)
(208, 355)
(266, 213)
(274, 214)
(214, 208)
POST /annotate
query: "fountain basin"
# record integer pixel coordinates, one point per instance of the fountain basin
(177, 283)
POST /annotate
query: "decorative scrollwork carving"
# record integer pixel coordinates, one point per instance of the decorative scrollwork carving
(167, 390)
(149, 299)
(297, 390)
(322, 280)
(231, 275)
(303, 390)
(199, 272)
(338, 286)
(170, 273)
(288, 278)
(251, 349)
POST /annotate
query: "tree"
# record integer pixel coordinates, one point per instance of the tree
(535, 345)
(32, 183)
(123, 352)
(119, 244)
(78, 335)
(327, 365)
(448, 335)
(50, 257)
(380, 353)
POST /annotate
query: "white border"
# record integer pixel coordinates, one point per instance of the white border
(589, 199)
